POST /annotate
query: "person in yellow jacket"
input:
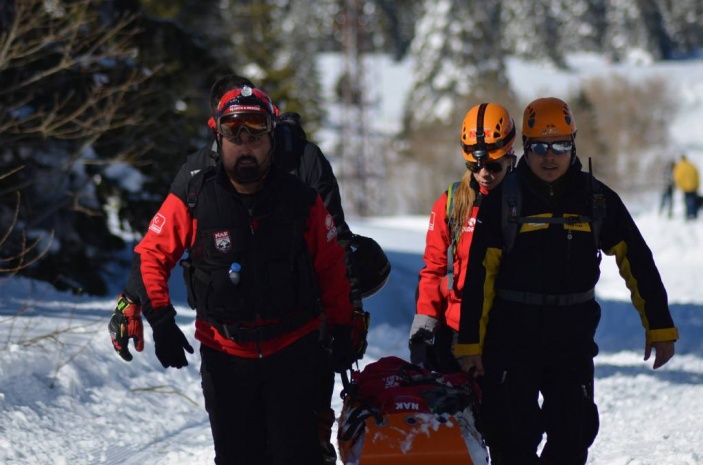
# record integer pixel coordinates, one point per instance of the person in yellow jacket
(686, 179)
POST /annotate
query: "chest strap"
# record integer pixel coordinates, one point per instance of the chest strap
(534, 298)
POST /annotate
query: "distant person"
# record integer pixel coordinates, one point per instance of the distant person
(686, 179)
(528, 311)
(451, 227)
(667, 199)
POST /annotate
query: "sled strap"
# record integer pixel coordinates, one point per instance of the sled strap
(533, 298)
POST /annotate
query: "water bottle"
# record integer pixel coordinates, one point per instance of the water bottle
(234, 272)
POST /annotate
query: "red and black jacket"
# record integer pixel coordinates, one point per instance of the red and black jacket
(285, 241)
(433, 297)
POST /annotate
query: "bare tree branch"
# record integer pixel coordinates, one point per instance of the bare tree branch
(70, 40)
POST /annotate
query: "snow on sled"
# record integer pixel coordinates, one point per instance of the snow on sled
(396, 413)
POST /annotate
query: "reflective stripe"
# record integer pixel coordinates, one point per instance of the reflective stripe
(533, 298)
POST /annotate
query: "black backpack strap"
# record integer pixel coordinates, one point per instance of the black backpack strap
(512, 204)
(511, 209)
(195, 185)
(454, 233)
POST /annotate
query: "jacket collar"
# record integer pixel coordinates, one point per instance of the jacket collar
(553, 189)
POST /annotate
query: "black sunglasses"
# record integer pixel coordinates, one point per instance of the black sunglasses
(558, 147)
(491, 166)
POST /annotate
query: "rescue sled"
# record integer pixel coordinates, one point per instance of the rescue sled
(396, 413)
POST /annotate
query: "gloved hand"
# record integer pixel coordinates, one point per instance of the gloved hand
(170, 342)
(126, 324)
(344, 352)
(422, 339)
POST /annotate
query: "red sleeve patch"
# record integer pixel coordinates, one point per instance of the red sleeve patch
(157, 223)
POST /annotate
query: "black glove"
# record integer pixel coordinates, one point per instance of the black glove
(420, 347)
(422, 339)
(170, 342)
(125, 324)
(344, 352)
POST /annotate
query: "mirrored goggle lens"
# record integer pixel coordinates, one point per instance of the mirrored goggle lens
(491, 166)
(255, 123)
(559, 147)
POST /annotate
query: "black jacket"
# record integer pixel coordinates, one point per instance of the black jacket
(556, 259)
(277, 275)
(303, 159)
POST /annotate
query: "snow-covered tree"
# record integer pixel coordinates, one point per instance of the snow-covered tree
(458, 59)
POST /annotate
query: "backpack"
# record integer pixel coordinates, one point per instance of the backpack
(512, 204)
(396, 412)
(290, 135)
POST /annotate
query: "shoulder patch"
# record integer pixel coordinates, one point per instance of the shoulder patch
(331, 228)
(157, 223)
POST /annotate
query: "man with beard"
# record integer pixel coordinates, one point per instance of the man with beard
(267, 273)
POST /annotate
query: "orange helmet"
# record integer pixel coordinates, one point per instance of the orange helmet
(488, 132)
(546, 117)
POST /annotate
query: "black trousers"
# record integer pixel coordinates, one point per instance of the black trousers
(514, 422)
(265, 410)
(532, 350)
(326, 416)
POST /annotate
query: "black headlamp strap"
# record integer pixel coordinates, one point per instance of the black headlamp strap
(480, 151)
(480, 133)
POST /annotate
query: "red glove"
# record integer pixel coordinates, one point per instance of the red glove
(126, 324)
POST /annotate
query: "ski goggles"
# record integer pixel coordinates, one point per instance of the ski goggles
(230, 125)
(491, 166)
(558, 147)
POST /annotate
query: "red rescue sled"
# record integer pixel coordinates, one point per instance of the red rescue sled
(400, 414)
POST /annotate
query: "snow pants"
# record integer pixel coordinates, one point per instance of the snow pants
(265, 410)
(519, 366)
(691, 200)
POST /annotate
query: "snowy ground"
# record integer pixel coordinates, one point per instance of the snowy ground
(66, 399)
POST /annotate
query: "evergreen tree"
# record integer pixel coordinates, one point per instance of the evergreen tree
(92, 95)
(271, 44)
(458, 55)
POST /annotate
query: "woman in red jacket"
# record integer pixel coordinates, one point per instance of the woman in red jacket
(449, 234)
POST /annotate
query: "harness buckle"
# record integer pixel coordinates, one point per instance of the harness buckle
(241, 333)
